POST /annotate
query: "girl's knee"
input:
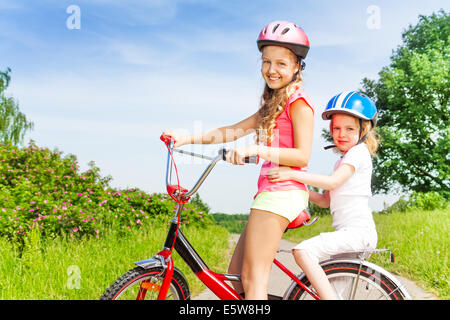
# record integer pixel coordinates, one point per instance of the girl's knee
(300, 255)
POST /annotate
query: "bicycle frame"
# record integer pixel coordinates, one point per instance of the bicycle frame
(176, 240)
(214, 281)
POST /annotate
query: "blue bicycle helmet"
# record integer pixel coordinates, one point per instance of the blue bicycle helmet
(353, 103)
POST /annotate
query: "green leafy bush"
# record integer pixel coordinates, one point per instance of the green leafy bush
(427, 201)
(43, 189)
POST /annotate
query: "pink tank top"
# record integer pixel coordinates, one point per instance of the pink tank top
(283, 138)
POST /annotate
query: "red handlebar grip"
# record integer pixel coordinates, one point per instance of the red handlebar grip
(166, 139)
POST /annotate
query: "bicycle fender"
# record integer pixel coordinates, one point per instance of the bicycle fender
(367, 264)
(374, 267)
(158, 260)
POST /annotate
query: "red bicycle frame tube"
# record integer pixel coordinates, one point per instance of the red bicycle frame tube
(168, 277)
(293, 277)
(215, 282)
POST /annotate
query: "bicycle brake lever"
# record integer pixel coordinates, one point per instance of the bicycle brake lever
(166, 139)
(223, 152)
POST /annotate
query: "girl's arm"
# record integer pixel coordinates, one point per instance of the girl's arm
(219, 135)
(303, 126)
(322, 200)
(342, 174)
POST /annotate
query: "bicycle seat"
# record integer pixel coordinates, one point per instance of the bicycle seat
(301, 220)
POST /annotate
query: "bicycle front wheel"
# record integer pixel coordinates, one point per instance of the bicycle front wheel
(145, 284)
(353, 282)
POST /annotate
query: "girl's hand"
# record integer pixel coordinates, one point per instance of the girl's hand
(236, 156)
(179, 140)
(280, 174)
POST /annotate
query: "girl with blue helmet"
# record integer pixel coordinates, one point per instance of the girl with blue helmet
(353, 119)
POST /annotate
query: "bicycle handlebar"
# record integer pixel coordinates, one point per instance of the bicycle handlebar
(169, 141)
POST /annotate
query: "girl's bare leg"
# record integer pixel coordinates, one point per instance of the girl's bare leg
(262, 238)
(235, 266)
(315, 274)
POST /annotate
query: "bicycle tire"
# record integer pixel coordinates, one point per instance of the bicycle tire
(372, 285)
(144, 284)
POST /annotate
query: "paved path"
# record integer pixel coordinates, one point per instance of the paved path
(279, 282)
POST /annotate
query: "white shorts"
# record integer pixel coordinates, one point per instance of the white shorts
(344, 240)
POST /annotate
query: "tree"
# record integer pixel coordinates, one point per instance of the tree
(13, 123)
(412, 96)
(201, 205)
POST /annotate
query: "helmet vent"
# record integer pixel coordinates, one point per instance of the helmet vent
(265, 30)
(285, 31)
(275, 28)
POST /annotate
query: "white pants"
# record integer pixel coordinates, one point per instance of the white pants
(343, 240)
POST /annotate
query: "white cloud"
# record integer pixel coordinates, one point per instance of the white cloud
(197, 39)
(330, 38)
(193, 95)
(95, 127)
(146, 55)
(134, 12)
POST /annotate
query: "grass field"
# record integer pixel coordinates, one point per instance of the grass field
(419, 240)
(67, 269)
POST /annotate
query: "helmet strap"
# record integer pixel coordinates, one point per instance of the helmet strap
(363, 138)
(329, 147)
(360, 131)
(302, 64)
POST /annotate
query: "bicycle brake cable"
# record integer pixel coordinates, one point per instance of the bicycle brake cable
(179, 197)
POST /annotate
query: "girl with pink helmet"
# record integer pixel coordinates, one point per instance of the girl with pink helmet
(283, 127)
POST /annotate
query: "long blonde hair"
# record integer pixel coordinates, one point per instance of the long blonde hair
(372, 141)
(273, 103)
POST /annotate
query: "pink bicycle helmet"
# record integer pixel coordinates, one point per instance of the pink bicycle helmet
(286, 34)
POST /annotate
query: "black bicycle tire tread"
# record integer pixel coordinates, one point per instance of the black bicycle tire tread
(128, 276)
(295, 292)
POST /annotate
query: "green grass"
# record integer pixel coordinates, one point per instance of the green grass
(69, 269)
(48, 268)
(234, 223)
(419, 240)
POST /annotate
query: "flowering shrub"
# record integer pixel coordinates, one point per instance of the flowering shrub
(43, 189)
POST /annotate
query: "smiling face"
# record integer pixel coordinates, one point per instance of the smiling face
(278, 66)
(345, 131)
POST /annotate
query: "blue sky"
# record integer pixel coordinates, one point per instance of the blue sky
(105, 91)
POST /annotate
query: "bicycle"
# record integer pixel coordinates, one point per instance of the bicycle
(157, 278)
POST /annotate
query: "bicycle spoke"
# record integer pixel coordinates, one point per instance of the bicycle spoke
(350, 281)
(141, 284)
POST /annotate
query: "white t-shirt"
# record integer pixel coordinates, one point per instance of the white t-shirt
(349, 203)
